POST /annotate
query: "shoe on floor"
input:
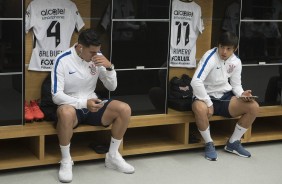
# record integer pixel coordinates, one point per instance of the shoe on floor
(65, 172)
(237, 148)
(210, 153)
(118, 163)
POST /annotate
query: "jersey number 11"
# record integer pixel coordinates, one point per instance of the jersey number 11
(187, 32)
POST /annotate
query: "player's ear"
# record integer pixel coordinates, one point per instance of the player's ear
(80, 47)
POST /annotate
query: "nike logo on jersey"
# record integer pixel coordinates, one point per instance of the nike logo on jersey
(218, 67)
(72, 72)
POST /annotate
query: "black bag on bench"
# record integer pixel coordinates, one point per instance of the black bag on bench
(180, 93)
(47, 105)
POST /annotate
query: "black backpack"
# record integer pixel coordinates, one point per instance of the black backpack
(180, 88)
(180, 93)
(47, 105)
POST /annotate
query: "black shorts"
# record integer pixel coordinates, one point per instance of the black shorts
(84, 116)
(220, 105)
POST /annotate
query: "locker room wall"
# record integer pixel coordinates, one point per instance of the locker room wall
(33, 79)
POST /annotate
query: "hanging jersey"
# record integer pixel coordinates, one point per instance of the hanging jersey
(232, 18)
(53, 22)
(122, 9)
(186, 24)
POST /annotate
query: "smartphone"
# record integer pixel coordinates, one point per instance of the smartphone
(250, 97)
(103, 102)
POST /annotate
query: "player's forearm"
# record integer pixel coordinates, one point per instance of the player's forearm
(60, 98)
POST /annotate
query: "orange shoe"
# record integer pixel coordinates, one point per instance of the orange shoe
(28, 114)
(37, 113)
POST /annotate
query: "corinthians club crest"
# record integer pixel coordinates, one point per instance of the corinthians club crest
(93, 69)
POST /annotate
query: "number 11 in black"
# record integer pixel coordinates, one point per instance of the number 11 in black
(179, 33)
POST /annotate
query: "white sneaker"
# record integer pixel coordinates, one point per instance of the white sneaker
(118, 163)
(65, 172)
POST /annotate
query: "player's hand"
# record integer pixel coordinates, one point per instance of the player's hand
(246, 96)
(93, 104)
(210, 111)
(101, 60)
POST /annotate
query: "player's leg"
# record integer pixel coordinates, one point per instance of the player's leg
(118, 114)
(248, 112)
(201, 113)
(67, 120)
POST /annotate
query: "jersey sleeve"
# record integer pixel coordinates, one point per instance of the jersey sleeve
(108, 78)
(79, 21)
(200, 23)
(57, 90)
(28, 18)
(105, 22)
(235, 81)
(197, 83)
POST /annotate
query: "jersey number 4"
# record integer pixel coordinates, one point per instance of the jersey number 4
(186, 32)
(56, 32)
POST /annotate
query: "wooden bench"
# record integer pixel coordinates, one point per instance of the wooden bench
(37, 144)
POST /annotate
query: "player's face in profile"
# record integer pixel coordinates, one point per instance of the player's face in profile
(88, 52)
(225, 51)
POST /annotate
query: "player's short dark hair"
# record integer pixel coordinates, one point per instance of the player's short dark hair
(228, 39)
(89, 37)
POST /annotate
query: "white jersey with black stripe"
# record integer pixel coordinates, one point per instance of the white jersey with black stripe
(53, 23)
(186, 24)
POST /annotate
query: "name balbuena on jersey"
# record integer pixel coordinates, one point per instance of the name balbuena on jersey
(186, 24)
(53, 23)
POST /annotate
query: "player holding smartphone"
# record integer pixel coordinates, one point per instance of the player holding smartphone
(248, 98)
(102, 102)
(74, 79)
(217, 90)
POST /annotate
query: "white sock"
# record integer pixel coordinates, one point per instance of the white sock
(206, 135)
(65, 151)
(238, 133)
(114, 146)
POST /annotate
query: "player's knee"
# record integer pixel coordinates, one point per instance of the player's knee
(65, 112)
(254, 108)
(124, 109)
(199, 108)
